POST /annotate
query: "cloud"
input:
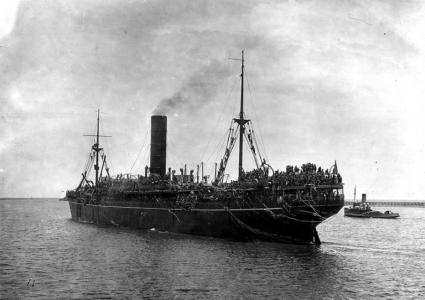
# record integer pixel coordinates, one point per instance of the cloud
(325, 80)
(8, 9)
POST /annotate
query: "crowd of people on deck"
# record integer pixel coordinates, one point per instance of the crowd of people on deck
(292, 176)
(295, 176)
(308, 174)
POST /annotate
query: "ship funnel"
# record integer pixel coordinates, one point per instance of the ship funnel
(158, 145)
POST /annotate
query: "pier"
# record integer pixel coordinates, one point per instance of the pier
(392, 203)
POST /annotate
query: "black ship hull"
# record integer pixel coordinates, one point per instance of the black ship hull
(272, 224)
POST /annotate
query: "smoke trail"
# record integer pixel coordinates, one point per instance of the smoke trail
(198, 90)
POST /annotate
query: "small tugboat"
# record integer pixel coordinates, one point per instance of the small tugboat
(363, 210)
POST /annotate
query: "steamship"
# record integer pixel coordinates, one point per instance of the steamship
(266, 204)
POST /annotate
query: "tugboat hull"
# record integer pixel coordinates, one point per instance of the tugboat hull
(349, 212)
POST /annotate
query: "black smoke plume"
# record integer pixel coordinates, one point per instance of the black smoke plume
(199, 89)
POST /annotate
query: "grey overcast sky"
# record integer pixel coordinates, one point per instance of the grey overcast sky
(328, 80)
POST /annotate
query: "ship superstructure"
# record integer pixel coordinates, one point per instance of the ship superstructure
(264, 203)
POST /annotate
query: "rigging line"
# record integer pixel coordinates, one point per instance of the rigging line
(229, 148)
(110, 167)
(254, 138)
(102, 131)
(87, 165)
(256, 144)
(103, 142)
(140, 151)
(256, 116)
(90, 162)
(90, 167)
(217, 152)
(253, 156)
(220, 117)
(313, 209)
(224, 141)
(146, 159)
(256, 119)
(107, 144)
(171, 145)
(235, 104)
(231, 134)
(172, 154)
(220, 151)
(218, 145)
(87, 161)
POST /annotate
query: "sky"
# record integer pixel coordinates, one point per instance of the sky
(326, 80)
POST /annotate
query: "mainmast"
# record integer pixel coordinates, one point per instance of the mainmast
(246, 131)
(242, 124)
(241, 121)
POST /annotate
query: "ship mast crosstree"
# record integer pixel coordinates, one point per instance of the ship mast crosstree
(96, 148)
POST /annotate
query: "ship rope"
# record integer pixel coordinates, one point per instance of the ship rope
(140, 151)
(288, 217)
(298, 220)
(89, 157)
(90, 163)
(231, 141)
(172, 156)
(250, 138)
(256, 116)
(104, 166)
(219, 121)
(258, 232)
(106, 145)
(90, 160)
(220, 145)
(315, 212)
(174, 214)
(146, 160)
(89, 167)
(256, 144)
(253, 145)
(248, 134)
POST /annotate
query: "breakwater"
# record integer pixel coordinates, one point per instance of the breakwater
(392, 203)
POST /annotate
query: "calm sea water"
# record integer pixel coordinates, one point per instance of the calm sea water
(43, 254)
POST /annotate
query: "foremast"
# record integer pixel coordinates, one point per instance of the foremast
(96, 151)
